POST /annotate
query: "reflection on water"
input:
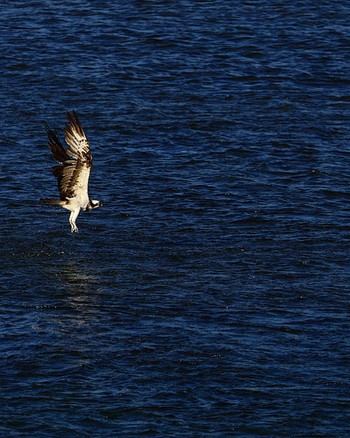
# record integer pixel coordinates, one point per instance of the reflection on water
(77, 278)
(74, 285)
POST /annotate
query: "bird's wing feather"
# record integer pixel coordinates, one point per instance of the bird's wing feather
(73, 178)
(58, 151)
(78, 145)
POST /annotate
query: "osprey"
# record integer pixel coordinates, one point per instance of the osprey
(74, 170)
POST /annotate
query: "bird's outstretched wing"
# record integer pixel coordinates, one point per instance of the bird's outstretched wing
(76, 161)
(58, 151)
(78, 145)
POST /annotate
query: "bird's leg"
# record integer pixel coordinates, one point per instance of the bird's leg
(72, 218)
(74, 229)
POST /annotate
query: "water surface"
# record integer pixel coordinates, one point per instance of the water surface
(209, 297)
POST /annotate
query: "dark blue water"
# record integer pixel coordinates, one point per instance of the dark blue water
(210, 296)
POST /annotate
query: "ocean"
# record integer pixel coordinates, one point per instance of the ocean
(209, 296)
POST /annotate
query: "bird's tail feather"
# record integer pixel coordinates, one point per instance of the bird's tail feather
(53, 202)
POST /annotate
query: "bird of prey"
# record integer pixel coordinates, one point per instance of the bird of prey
(74, 169)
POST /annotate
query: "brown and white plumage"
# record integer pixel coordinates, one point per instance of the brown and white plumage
(74, 169)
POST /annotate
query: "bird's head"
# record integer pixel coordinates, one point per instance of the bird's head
(93, 204)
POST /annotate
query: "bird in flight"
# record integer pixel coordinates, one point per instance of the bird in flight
(74, 169)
